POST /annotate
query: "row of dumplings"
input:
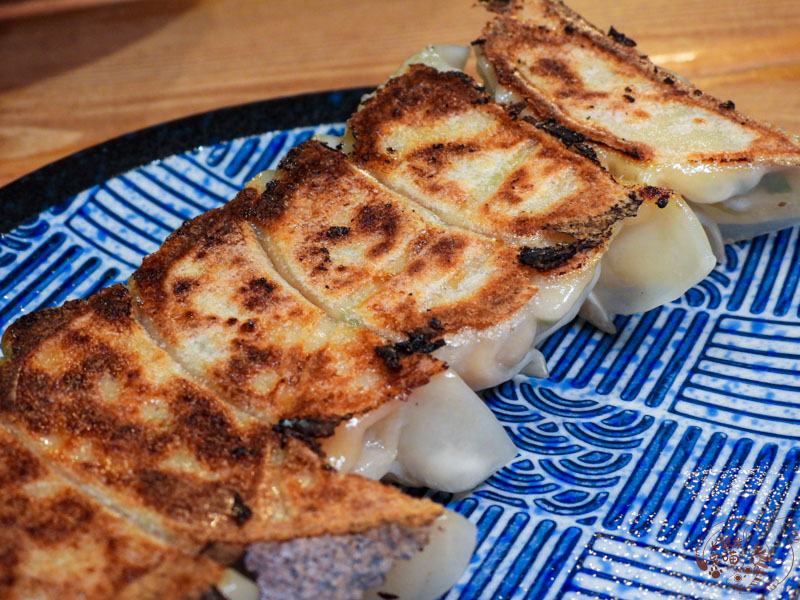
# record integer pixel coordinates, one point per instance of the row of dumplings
(337, 317)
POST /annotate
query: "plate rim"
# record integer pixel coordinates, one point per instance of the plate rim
(60, 180)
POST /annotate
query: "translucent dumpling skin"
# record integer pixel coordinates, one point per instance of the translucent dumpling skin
(444, 437)
(657, 255)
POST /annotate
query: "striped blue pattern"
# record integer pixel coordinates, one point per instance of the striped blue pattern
(635, 449)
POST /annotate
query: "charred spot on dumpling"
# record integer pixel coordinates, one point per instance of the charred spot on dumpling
(60, 518)
(586, 151)
(557, 69)
(323, 258)
(621, 38)
(658, 195)
(390, 357)
(517, 182)
(257, 293)
(447, 248)
(337, 231)
(113, 304)
(419, 341)
(271, 204)
(430, 154)
(309, 427)
(380, 219)
(308, 430)
(177, 494)
(17, 466)
(549, 257)
(240, 512)
(598, 227)
(217, 233)
(248, 359)
(514, 110)
(240, 451)
(435, 324)
(98, 360)
(248, 326)
(76, 338)
(567, 136)
(311, 160)
(203, 426)
(183, 284)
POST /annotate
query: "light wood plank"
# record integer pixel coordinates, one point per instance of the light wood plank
(72, 79)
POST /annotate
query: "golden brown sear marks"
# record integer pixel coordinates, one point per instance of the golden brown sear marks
(398, 266)
(600, 86)
(436, 138)
(229, 318)
(56, 542)
(87, 389)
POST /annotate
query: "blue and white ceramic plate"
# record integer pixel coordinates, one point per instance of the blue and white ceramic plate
(659, 462)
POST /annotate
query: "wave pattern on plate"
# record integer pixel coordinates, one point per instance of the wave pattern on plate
(635, 448)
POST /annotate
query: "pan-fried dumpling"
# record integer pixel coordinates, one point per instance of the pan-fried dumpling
(213, 299)
(479, 169)
(432, 135)
(646, 124)
(87, 392)
(369, 256)
(57, 542)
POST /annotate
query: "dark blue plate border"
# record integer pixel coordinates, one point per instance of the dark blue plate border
(58, 181)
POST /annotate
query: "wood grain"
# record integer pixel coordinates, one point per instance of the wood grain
(72, 79)
(18, 9)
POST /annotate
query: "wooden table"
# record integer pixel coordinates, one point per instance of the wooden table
(73, 75)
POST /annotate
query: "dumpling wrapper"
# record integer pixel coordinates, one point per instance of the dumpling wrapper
(431, 134)
(479, 169)
(646, 124)
(213, 299)
(371, 257)
(57, 542)
(87, 392)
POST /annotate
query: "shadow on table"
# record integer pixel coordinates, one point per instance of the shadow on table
(42, 45)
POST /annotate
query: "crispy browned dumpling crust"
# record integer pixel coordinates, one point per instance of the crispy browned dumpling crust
(546, 31)
(390, 263)
(87, 390)
(55, 542)
(451, 141)
(219, 306)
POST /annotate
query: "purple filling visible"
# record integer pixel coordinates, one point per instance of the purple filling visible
(335, 567)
